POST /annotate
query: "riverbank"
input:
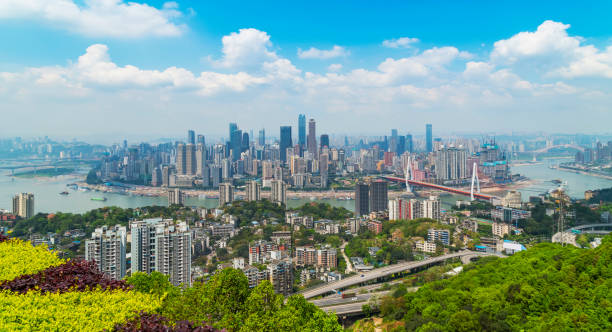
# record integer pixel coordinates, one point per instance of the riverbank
(583, 171)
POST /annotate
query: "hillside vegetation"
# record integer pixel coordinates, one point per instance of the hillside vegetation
(546, 288)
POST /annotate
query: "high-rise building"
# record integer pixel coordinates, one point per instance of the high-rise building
(451, 164)
(281, 277)
(181, 159)
(161, 245)
(175, 197)
(232, 128)
(285, 142)
(190, 159)
(409, 144)
(226, 194)
(431, 208)
(262, 137)
(428, 138)
(201, 140)
(245, 141)
(279, 192)
(324, 140)
(236, 144)
(253, 191)
(191, 137)
(312, 138)
(107, 249)
(362, 200)
(398, 209)
(379, 200)
(201, 156)
(23, 205)
(401, 145)
(302, 130)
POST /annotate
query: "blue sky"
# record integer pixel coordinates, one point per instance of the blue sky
(165, 66)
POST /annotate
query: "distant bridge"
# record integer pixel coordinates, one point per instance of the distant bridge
(560, 146)
(593, 228)
(386, 271)
(438, 187)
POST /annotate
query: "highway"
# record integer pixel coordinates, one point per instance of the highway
(335, 301)
(382, 272)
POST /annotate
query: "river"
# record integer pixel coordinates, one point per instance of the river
(47, 198)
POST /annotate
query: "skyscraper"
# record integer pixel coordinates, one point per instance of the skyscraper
(362, 200)
(107, 249)
(409, 146)
(393, 141)
(262, 137)
(23, 205)
(181, 159)
(191, 137)
(401, 145)
(201, 140)
(324, 140)
(161, 245)
(312, 138)
(246, 142)
(379, 200)
(232, 128)
(190, 160)
(201, 156)
(279, 192)
(236, 144)
(285, 142)
(428, 138)
(451, 164)
(302, 130)
(226, 194)
(175, 197)
(253, 191)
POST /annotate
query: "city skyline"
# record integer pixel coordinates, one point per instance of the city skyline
(531, 74)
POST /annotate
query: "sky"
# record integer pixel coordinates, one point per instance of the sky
(102, 70)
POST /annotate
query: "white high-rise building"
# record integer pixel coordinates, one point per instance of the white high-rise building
(175, 197)
(253, 191)
(431, 208)
(107, 249)
(164, 246)
(226, 194)
(398, 209)
(451, 163)
(279, 192)
(23, 205)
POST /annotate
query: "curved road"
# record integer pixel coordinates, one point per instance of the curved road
(384, 271)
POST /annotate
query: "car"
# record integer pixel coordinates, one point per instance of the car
(362, 275)
(353, 299)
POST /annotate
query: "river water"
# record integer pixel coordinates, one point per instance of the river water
(47, 198)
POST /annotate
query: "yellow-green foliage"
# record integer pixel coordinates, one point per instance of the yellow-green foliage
(73, 311)
(18, 257)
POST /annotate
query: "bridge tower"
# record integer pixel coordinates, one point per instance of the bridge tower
(408, 175)
(474, 179)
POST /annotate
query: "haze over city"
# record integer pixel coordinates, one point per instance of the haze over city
(104, 69)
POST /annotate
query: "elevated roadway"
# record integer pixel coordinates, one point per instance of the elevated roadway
(375, 274)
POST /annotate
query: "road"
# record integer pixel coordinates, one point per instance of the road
(382, 272)
(349, 265)
(335, 301)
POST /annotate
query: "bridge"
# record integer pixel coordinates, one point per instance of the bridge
(438, 187)
(560, 146)
(375, 274)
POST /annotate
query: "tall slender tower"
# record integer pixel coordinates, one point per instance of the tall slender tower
(312, 138)
(302, 130)
(285, 142)
(428, 138)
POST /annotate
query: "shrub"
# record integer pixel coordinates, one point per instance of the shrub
(72, 311)
(75, 275)
(18, 257)
(153, 322)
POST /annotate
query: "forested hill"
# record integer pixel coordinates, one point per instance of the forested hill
(546, 288)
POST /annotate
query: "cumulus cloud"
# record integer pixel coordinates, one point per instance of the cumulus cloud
(98, 18)
(246, 48)
(443, 82)
(403, 42)
(315, 53)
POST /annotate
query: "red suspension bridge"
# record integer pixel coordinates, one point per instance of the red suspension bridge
(438, 187)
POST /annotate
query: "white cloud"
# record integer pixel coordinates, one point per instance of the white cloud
(246, 48)
(334, 67)
(550, 38)
(315, 53)
(403, 42)
(98, 18)
(589, 62)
